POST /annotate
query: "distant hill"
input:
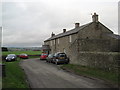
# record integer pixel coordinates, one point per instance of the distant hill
(24, 48)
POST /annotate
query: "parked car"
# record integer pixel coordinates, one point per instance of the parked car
(11, 57)
(59, 58)
(50, 58)
(23, 56)
(43, 56)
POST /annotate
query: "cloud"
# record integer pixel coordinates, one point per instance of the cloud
(0, 14)
(119, 17)
(30, 23)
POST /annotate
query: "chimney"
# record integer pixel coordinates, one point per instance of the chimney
(76, 25)
(64, 30)
(52, 34)
(95, 17)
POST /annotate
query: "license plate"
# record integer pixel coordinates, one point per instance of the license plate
(62, 58)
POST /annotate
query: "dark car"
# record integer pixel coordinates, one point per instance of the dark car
(43, 56)
(11, 57)
(60, 58)
(50, 58)
(23, 56)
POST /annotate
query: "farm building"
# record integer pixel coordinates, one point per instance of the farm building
(91, 37)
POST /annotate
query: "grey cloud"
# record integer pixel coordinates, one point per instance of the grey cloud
(119, 17)
(27, 23)
(0, 14)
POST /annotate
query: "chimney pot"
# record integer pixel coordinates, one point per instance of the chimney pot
(64, 30)
(52, 34)
(95, 17)
(77, 25)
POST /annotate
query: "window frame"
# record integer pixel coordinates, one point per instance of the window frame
(58, 41)
(54, 41)
(51, 42)
(70, 38)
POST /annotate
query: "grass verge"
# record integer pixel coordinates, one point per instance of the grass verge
(110, 77)
(15, 76)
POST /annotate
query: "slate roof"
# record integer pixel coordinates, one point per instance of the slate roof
(73, 31)
(114, 36)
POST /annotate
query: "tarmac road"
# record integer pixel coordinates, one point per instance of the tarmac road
(41, 74)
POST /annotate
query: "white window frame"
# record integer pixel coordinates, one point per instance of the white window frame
(54, 41)
(70, 38)
(64, 50)
(51, 42)
(58, 41)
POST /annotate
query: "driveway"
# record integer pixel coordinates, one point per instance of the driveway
(41, 74)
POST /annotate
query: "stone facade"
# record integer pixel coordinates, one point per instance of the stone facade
(92, 37)
(61, 44)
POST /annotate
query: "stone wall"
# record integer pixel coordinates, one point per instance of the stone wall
(94, 31)
(115, 45)
(91, 45)
(103, 60)
(94, 53)
(61, 44)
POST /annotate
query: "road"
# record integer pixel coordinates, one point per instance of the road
(41, 74)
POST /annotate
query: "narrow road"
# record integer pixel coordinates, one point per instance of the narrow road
(41, 74)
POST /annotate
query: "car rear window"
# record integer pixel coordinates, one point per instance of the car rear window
(50, 55)
(11, 55)
(62, 55)
(44, 54)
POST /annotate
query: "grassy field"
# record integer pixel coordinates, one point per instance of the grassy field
(108, 76)
(15, 76)
(20, 52)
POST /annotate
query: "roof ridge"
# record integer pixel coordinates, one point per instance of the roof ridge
(72, 31)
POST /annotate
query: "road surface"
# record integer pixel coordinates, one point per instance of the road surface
(41, 74)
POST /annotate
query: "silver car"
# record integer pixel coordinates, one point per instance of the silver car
(60, 58)
(11, 57)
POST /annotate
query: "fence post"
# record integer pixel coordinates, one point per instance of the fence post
(3, 70)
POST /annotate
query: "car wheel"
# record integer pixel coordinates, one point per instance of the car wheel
(66, 63)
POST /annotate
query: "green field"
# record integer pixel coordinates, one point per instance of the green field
(20, 52)
(15, 77)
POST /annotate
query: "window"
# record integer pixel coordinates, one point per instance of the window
(70, 38)
(64, 50)
(51, 43)
(58, 41)
(54, 42)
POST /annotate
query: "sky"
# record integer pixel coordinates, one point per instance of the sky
(28, 23)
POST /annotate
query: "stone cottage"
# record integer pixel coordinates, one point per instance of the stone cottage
(101, 37)
(91, 37)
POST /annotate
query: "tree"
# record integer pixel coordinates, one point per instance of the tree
(4, 49)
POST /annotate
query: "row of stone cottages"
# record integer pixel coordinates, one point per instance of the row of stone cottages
(93, 37)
